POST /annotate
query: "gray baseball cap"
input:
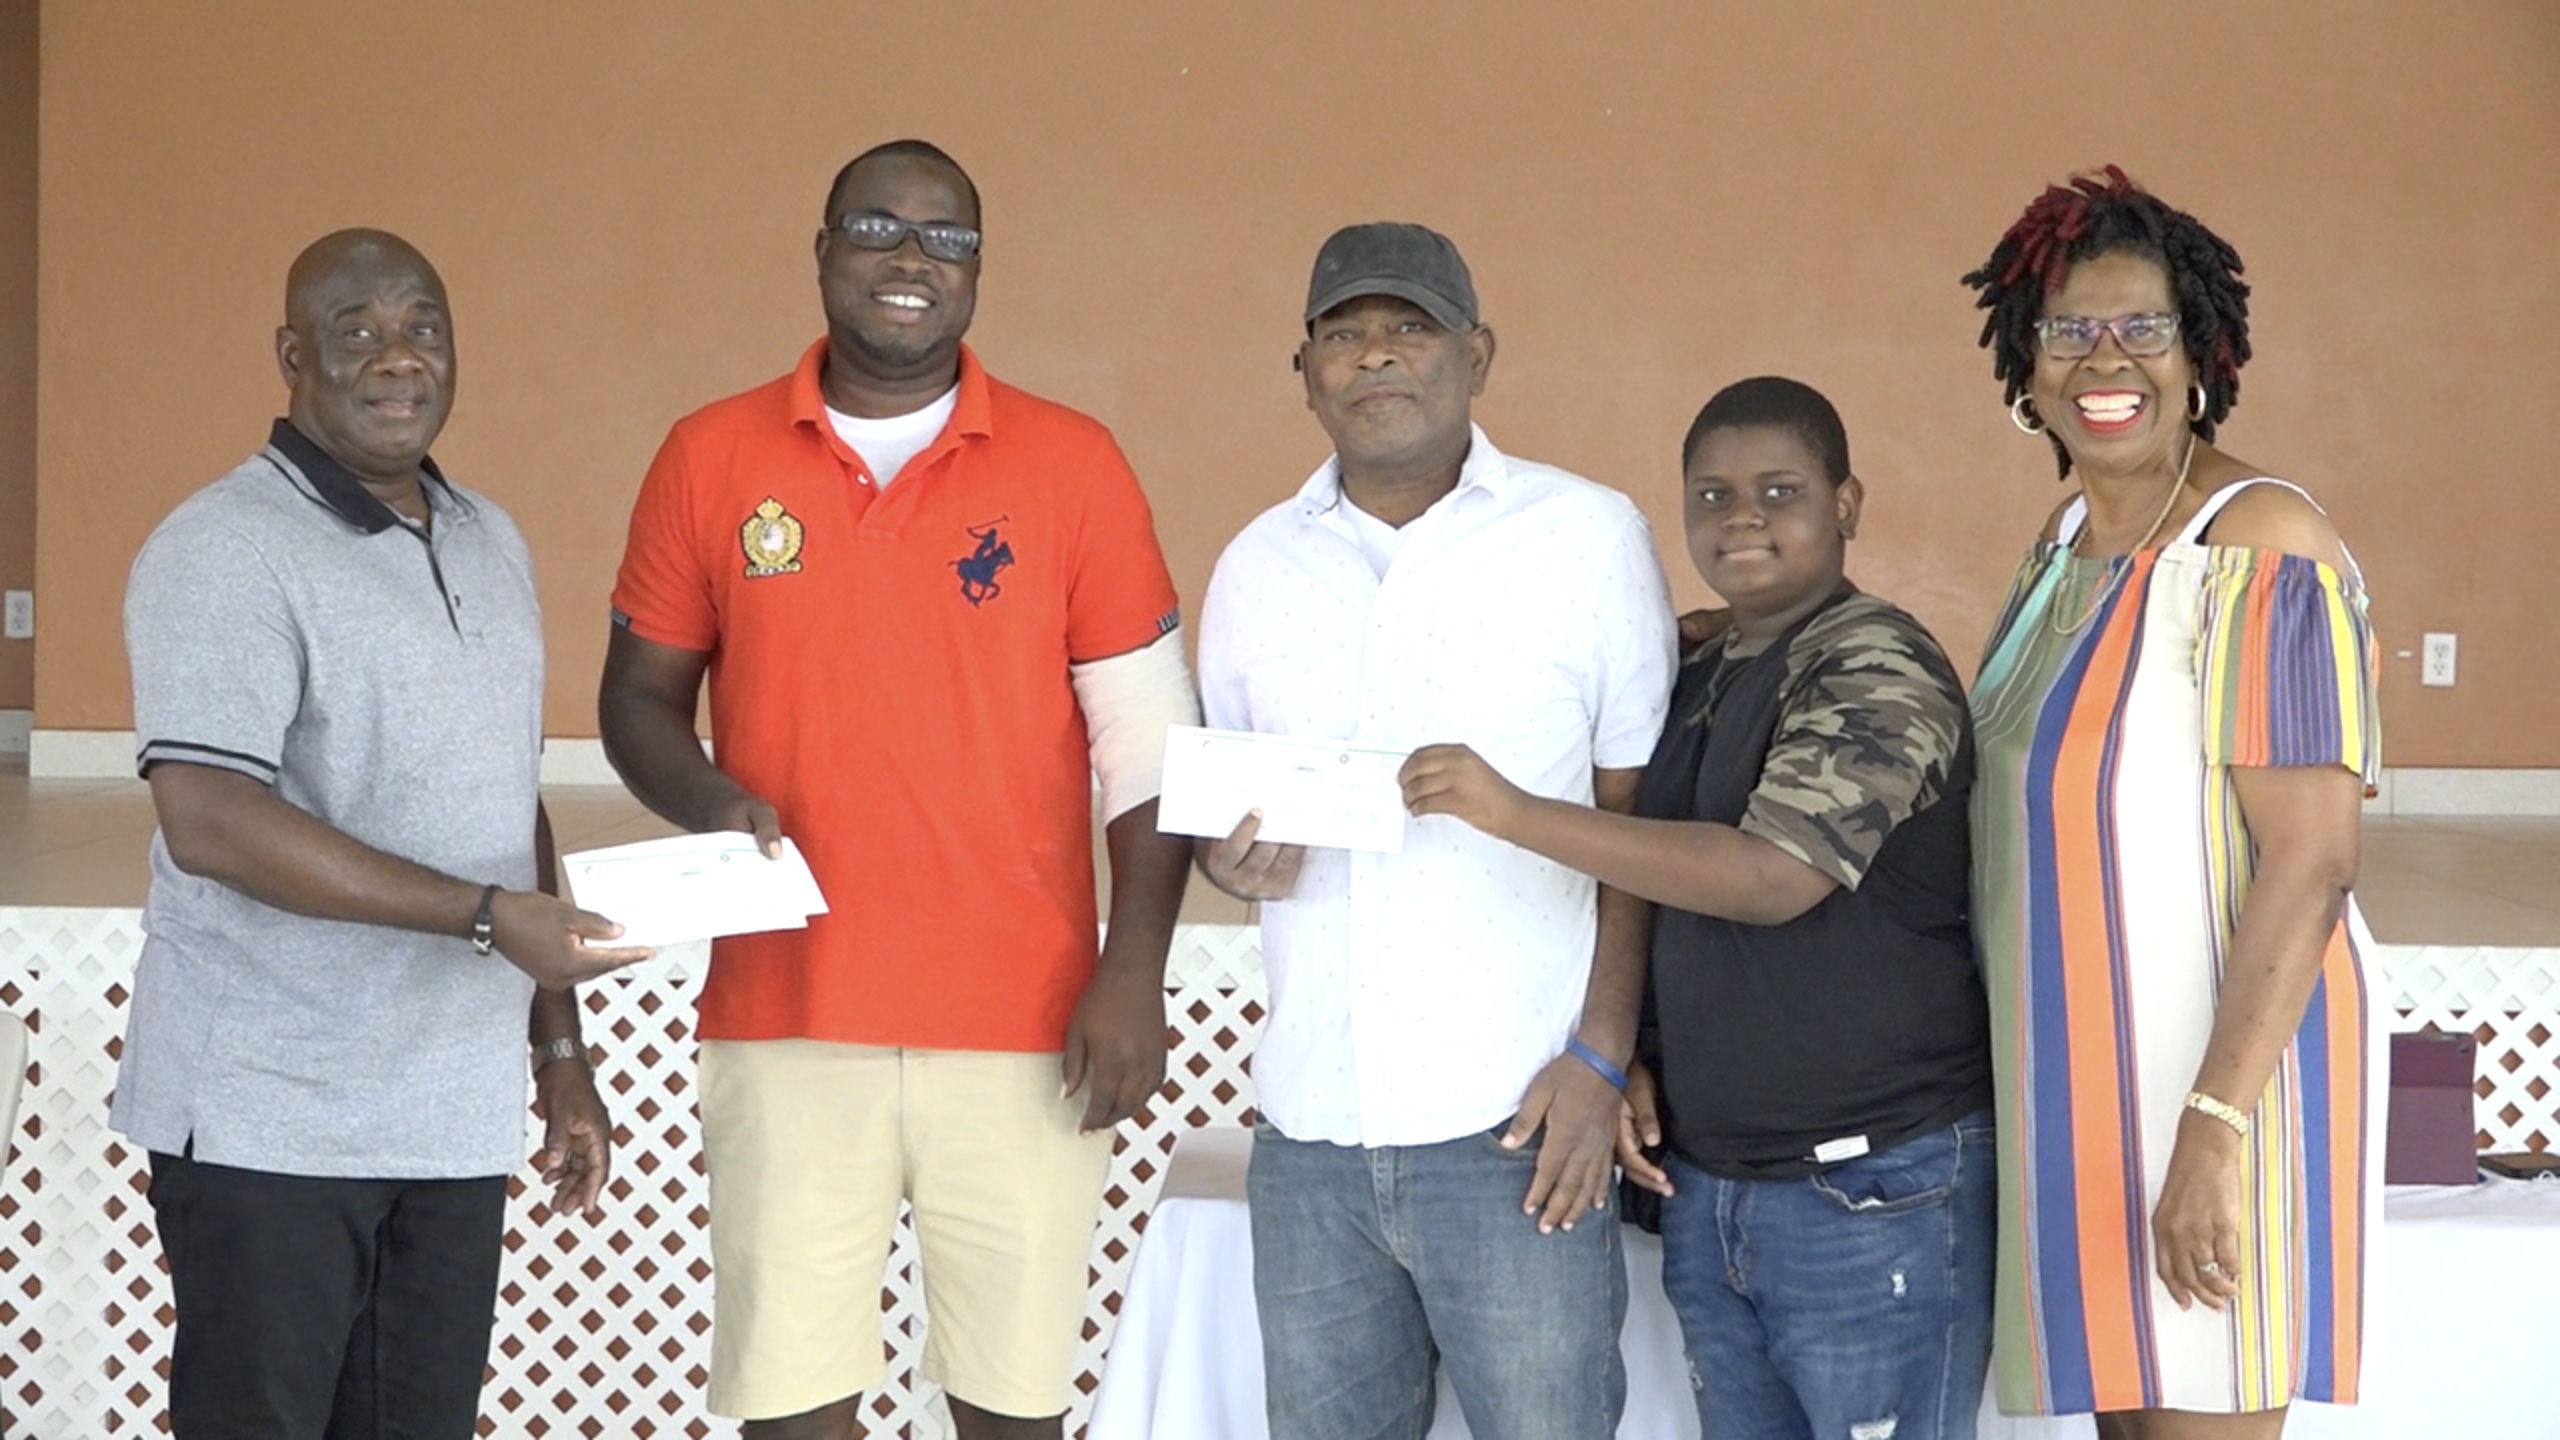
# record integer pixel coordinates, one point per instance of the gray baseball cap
(1384, 257)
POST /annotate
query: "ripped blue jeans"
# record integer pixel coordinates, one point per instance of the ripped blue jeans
(1850, 1305)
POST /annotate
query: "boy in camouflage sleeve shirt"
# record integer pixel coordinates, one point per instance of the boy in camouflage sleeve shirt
(1816, 1016)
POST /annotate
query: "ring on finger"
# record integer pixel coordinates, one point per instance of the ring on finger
(2209, 1267)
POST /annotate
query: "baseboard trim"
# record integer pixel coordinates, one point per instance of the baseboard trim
(81, 754)
(15, 727)
(2451, 791)
(576, 761)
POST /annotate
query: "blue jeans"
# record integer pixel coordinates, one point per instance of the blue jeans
(1370, 1264)
(1850, 1305)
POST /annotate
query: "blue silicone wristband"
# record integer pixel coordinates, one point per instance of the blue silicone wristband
(1616, 1077)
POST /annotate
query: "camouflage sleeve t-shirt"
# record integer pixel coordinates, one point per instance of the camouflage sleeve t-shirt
(1859, 1024)
(1867, 732)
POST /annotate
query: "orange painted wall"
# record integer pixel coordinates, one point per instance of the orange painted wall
(17, 334)
(1657, 198)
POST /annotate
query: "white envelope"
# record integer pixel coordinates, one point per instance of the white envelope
(1331, 793)
(694, 887)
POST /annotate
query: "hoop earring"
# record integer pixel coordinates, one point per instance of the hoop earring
(2196, 401)
(2022, 414)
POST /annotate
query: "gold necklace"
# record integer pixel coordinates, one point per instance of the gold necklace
(2116, 572)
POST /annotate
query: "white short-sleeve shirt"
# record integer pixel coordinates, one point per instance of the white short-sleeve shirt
(1415, 995)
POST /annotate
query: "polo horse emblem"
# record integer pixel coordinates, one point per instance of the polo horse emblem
(978, 568)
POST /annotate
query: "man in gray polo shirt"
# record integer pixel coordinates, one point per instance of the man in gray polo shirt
(337, 675)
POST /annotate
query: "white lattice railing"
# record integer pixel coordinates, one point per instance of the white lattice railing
(604, 1330)
(2510, 999)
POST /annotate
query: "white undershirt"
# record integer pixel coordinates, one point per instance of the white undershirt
(1378, 540)
(887, 445)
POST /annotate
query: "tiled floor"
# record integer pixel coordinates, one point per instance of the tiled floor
(2435, 881)
(2462, 880)
(88, 842)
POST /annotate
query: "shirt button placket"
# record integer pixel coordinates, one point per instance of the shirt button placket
(1374, 1041)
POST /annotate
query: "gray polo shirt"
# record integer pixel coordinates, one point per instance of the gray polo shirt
(285, 624)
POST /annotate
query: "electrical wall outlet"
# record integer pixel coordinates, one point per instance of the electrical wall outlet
(18, 616)
(2435, 659)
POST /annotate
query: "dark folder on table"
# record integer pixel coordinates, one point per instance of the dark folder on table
(2431, 1141)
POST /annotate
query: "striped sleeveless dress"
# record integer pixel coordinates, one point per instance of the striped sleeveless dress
(2111, 862)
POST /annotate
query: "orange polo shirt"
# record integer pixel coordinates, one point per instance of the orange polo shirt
(889, 669)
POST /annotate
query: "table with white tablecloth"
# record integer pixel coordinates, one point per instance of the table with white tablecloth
(2463, 1339)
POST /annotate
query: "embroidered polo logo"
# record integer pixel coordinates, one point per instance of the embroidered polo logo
(978, 568)
(771, 539)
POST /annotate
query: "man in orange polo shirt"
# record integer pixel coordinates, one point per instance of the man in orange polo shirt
(930, 609)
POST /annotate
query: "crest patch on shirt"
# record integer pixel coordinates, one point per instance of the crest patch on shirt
(978, 568)
(771, 538)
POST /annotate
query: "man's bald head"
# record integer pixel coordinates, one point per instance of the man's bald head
(367, 350)
(341, 255)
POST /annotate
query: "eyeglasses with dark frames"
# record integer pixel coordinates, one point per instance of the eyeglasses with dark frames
(939, 240)
(2073, 337)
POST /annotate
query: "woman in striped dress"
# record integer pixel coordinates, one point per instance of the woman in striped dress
(2174, 716)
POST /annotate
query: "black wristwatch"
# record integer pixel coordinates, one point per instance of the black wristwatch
(484, 924)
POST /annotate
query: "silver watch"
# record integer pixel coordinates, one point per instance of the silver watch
(565, 1047)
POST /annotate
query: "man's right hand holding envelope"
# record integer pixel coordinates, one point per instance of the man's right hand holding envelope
(1246, 868)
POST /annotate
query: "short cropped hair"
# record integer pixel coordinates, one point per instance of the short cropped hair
(909, 150)
(1774, 400)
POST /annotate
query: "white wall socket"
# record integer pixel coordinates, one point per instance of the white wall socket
(18, 616)
(2435, 658)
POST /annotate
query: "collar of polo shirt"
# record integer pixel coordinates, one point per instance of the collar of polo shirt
(338, 490)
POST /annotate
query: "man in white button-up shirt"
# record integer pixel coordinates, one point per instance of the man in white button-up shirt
(1436, 1119)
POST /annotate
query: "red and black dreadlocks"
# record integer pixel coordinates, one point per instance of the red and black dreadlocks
(2104, 214)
